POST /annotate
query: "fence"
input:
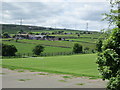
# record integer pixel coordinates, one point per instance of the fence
(25, 55)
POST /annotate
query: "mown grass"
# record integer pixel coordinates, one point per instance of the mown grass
(78, 65)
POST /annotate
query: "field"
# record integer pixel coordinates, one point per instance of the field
(87, 40)
(79, 65)
(28, 47)
(58, 43)
(94, 35)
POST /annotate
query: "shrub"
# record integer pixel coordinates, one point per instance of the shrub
(86, 49)
(8, 50)
(114, 83)
(38, 49)
(5, 35)
(99, 45)
(77, 48)
(109, 60)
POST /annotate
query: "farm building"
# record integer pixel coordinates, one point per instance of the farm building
(22, 36)
(37, 37)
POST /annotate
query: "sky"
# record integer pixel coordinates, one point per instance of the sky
(70, 14)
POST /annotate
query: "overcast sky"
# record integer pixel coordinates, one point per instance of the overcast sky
(56, 13)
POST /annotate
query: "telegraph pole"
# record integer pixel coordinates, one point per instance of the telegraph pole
(21, 23)
(87, 26)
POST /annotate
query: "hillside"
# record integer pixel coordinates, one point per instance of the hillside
(13, 28)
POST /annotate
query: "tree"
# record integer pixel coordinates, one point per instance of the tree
(8, 50)
(59, 38)
(78, 35)
(30, 33)
(20, 32)
(5, 35)
(109, 59)
(114, 83)
(113, 17)
(77, 48)
(38, 49)
(86, 49)
(99, 45)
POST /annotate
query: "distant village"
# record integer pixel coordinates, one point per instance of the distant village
(37, 37)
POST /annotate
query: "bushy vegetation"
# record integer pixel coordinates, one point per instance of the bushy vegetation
(109, 59)
(5, 35)
(77, 48)
(99, 45)
(38, 50)
(8, 50)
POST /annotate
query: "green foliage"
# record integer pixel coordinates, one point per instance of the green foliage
(38, 49)
(30, 33)
(113, 42)
(77, 48)
(109, 59)
(8, 50)
(114, 83)
(86, 49)
(5, 35)
(108, 62)
(113, 16)
(99, 45)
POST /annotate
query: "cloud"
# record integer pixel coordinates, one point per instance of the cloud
(55, 1)
(56, 14)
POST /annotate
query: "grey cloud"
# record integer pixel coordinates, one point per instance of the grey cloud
(40, 13)
(30, 10)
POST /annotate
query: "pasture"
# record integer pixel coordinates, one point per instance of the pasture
(78, 65)
(59, 43)
(28, 47)
(89, 40)
(25, 46)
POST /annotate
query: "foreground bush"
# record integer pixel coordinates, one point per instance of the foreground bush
(109, 60)
(114, 83)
